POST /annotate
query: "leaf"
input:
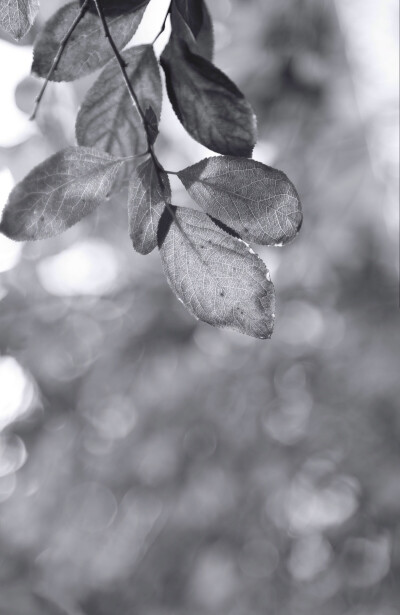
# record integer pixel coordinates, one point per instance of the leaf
(146, 204)
(256, 201)
(58, 193)
(117, 7)
(191, 21)
(17, 16)
(209, 105)
(87, 49)
(151, 125)
(215, 275)
(107, 119)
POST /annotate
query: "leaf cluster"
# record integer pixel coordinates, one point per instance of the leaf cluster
(204, 253)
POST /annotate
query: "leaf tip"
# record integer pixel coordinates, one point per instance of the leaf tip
(7, 227)
(17, 36)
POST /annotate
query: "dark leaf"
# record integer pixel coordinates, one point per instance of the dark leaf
(151, 125)
(207, 102)
(58, 193)
(191, 21)
(147, 200)
(117, 7)
(87, 49)
(256, 201)
(17, 16)
(215, 275)
(107, 119)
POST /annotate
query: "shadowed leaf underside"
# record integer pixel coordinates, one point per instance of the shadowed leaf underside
(209, 105)
(146, 203)
(256, 201)
(191, 21)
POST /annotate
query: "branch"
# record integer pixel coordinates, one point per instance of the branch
(132, 93)
(120, 60)
(57, 57)
(136, 104)
(164, 23)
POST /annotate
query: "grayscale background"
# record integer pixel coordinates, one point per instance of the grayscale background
(152, 465)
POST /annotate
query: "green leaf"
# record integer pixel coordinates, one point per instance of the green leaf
(209, 105)
(87, 49)
(108, 120)
(215, 275)
(256, 201)
(58, 193)
(146, 203)
(17, 16)
(191, 21)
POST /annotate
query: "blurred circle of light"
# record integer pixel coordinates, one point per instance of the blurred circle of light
(214, 580)
(211, 343)
(97, 445)
(114, 418)
(142, 509)
(10, 253)
(309, 507)
(14, 125)
(17, 391)
(259, 559)
(366, 561)
(290, 380)
(224, 9)
(301, 324)
(88, 267)
(158, 461)
(12, 454)
(310, 555)
(210, 494)
(91, 507)
(287, 421)
(200, 441)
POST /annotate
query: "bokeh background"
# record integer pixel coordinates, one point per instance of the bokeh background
(151, 465)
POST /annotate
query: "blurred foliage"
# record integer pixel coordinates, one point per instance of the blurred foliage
(152, 465)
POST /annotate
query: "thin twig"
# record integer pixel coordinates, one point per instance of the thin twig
(132, 93)
(159, 168)
(120, 60)
(57, 57)
(163, 25)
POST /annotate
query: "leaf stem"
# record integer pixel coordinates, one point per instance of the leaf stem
(132, 93)
(135, 156)
(163, 24)
(136, 104)
(57, 57)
